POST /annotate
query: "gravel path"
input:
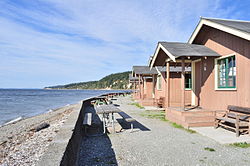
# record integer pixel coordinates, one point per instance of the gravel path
(162, 144)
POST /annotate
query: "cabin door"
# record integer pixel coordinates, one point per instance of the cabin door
(196, 82)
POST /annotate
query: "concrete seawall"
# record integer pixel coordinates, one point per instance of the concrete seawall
(64, 149)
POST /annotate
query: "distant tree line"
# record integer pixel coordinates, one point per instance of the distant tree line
(112, 81)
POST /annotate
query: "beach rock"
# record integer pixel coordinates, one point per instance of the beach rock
(41, 127)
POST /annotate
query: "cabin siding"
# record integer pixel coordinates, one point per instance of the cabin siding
(160, 93)
(224, 44)
(148, 91)
(176, 92)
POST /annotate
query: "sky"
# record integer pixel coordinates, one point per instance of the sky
(55, 42)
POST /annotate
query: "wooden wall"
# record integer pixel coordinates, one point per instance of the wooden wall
(175, 91)
(149, 88)
(160, 93)
(224, 44)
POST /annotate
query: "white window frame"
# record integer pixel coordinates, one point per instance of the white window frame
(159, 81)
(216, 73)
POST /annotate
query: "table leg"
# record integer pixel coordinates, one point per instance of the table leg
(104, 126)
(113, 122)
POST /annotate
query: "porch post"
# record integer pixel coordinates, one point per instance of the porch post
(183, 82)
(153, 91)
(143, 82)
(168, 84)
(134, 87)
(139, 86)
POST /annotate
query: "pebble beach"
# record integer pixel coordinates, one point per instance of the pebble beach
(21, 145)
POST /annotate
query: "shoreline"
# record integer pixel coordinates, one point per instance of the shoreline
(16, 137)
(20, 118)
(8, 121)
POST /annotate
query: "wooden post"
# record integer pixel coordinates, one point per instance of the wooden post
(237, 125)
(183, 83)
(143, 82)
(139, 86)
(153, 88)
(134, 88)
(167, 84)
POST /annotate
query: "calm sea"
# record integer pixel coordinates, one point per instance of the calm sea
(22, 103)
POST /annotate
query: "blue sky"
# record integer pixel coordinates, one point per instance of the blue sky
(51, 42)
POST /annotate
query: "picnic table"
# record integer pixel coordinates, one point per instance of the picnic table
(106, 111)
(99, 100)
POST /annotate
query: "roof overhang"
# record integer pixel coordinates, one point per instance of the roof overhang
(159, 46)
(204, 21)
(173, 51)
(158, 71)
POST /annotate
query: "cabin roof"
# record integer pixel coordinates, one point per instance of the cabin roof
(155, 70)
(144, 70)
(235, 27)
(175, 50)
(173, 68)
(236, 24)
(185, 49)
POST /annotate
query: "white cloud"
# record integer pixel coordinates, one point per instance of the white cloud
(75, 40)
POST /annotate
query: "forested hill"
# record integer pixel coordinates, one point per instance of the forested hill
(112, 81)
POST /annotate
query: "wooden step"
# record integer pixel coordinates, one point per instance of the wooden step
(177, 113)
(179, 118)
(194, 119)
(176, 120)
(199, 113)
(201, 124)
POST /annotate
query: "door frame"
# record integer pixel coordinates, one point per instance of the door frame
(193, 82)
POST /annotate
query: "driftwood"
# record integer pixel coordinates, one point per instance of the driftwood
(41, 127)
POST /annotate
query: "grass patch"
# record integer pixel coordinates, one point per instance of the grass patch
(209, 149)
(181, 127)
(175, 125)
(137, 105)
(161, 116)
(241, 145)
(154, 115)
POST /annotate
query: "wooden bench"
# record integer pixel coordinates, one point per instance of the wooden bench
(87, 121)
(128, 119)
(236, 118)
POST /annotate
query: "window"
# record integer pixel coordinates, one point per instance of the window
(188, 81)
(159, 81)
(227, 72)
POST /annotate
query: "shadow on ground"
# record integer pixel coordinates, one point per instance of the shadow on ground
(127, 125)
(97, 151)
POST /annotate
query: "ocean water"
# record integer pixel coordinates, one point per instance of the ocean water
(22, 103)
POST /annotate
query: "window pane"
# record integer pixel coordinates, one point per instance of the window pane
(227, 72)
(188, 81)
(222, 73)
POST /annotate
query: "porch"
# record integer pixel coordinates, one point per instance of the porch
(191, 117)
(147, 102)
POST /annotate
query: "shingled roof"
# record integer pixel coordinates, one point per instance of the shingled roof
(235, 27)
(144, 70)
(155, 70)
(184, 49)
(173, 69)
(236, 24)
